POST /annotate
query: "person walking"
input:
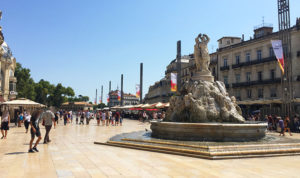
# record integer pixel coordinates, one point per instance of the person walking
(98, 116)
(103, 118)
(5, 121)
(20, 119)
(48, 117)
(81, 118)
(287, 125)
(87, 118)
(281, 125)
(56, 117)
(35, 130)
(27, 121)
(65, 116)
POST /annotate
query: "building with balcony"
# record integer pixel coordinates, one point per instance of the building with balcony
(251, 73)
(128, 99)
(7, 79)
(161, 90)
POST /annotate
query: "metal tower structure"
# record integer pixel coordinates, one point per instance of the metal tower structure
(284, 26)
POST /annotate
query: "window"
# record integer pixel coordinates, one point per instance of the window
(225, 62)
(248, 76)
(228, 42)
(248, 57)
(249, 93)
(237, 78)
(271, 52)
(259, 76)
(237, 59)
(225, 80)
(260, 93)
(11, 73)
(272, 74)
(238, 95)
(12, 86)
(273, 92)
(258, 54)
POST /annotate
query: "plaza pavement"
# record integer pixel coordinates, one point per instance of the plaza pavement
(72, 153)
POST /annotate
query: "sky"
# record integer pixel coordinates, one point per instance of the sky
(86, 44)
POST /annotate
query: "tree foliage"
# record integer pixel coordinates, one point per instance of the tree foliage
(42, 92)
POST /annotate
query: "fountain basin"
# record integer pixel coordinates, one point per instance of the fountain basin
(209, 131)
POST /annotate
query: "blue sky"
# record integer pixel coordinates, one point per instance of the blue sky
(85, 44)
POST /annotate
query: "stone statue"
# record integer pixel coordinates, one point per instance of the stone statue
(202, 99)
(201, 53)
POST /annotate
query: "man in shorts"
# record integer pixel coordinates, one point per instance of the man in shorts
(5, 120)
(35, 130)
(48, 117)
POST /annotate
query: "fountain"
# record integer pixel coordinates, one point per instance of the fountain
(203, 110)
(204, 121)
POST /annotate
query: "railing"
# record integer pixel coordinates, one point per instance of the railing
(258, 82)
(258, 61)
(224, 68)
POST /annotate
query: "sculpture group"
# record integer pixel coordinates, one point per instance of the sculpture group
(202, 99)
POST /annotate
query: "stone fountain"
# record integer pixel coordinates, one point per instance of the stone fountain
(203, 110)
(204, 121)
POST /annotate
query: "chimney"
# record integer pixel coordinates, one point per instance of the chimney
(243, 37)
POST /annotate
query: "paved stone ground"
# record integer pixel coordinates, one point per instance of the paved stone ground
(73, 154)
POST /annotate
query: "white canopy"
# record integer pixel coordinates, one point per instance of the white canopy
(23, 102)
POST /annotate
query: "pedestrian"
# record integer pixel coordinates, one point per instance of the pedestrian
(65, 115)
(121, 115)
(35, 130)
(117, 117)
(81, 118)
(27, 121)
(103, 118)
(56, 117)
(20, 119)
(87, 118)
(5, 121)
(77, 116)
(98, 116)
(297, 124)
(287, 125)
(48, 118)
(281, 125)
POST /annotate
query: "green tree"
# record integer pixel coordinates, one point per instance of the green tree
(43, 90)
(25, 84)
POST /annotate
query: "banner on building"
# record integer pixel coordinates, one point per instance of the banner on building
(119, 95)
(137, 88)
(107, 98)
(277, 47)
(173, 81)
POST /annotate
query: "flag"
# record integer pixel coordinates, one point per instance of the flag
(137, 88)
(119, 95)
(173, 81)
(107, 98)
(277, 47)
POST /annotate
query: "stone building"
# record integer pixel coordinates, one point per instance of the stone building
(128, 99)
(249, 70)
(7, 69)
(161, 90)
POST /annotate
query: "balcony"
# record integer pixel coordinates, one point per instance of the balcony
(264, 60)
(257, 82)
(224, 68)
(213, 61)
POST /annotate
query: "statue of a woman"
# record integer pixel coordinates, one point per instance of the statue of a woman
(201, 53)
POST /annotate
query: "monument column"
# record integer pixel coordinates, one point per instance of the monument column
(178, 65)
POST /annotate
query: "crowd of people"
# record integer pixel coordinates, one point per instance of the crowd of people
(277, 123)
(155, 115)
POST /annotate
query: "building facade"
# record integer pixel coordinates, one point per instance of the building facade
(7, 69)
(161, 90)
(128, 99)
